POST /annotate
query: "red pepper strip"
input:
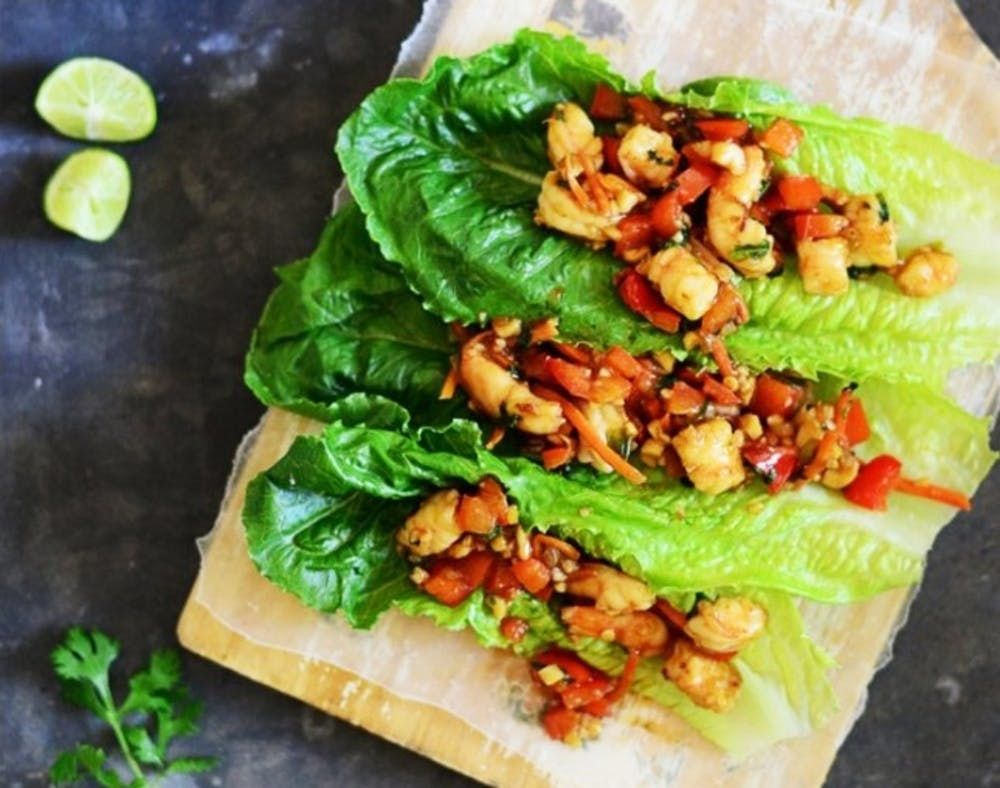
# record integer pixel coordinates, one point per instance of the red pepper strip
(639, 296)
(636, 232)
(719, 392)
(695, 181)
(782, 136)
(647, 111)
(573, 378)
(932, 492)
(609, 146)
(857, 429)
(625, 679)
(608, 104)
(800, 192)
(666, 215)
(873, 483)
(775, 463)
(623, 362)
(591, 437)
(571, 664)
(718, 129)
(573, 353)
(671, 613)
(818, 225)
(576, 695)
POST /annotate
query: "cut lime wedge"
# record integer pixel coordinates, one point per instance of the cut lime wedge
(88, 194)
(89, 98)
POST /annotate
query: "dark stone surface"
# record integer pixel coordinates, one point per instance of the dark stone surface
(121, 400)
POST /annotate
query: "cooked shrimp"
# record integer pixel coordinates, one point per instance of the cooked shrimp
(642, 631)
(611, 590)
(433, 528)
(710, 683)
(927, 271)
(740, 239)
(727, 624)
(560, 208)
(612, 424)
(726, 154)
(495, 391)
(572, 143)
(823, 265)
(710, 455)
(685, 284)
(647, 157)
(871, 233)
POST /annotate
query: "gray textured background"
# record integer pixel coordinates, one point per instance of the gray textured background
(121, 400)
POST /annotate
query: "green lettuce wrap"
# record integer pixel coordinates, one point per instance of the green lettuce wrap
(447, 170)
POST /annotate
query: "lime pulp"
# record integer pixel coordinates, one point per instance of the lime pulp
(88, 194)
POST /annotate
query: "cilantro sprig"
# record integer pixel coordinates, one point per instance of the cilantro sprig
(157, 709)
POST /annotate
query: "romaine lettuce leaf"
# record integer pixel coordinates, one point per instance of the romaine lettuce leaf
(447, 171)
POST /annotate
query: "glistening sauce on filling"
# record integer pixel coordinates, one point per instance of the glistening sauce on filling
(569, 403)
(462, 541)
(690, 203)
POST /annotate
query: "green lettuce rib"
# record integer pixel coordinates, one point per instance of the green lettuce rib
(447, 171)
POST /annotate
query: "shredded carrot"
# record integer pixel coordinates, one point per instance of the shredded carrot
(625, 679)
(824, 452)
(589, 436)
(579, 355)
(541, 541)
(495, 437)
(933, 492)
(579, 193)
(721, 356)
(449, 385)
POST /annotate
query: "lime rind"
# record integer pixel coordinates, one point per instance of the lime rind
(91, 98)
(88, 194)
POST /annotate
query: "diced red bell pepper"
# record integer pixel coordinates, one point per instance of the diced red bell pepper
(513, 628)
(782, 136)
(448, 584)
(639, 296)
(719, 393)
(556, 457)
(571, 664)
(578, 354)
(573, 378)
(800, 192)
(818, 225)
(695, 181)
(775, 463)
(718, 129)
(532, 574)
(874, 482)
(475, 567)
(667, 216)
(609, 388)
(636, 232)
(623, 362)
(645, 110)
(608, 104)
(576, 694)
(601, 707)
(609, 146)
(559, 722)
(502, 581)
(856, 430)
(474, 516)
(773, 397)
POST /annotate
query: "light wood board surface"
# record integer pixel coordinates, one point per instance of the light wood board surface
(856, 634)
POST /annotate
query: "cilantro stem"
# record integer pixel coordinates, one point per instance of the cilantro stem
(126, 750)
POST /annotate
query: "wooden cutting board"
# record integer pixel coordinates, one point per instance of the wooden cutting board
(236, 618)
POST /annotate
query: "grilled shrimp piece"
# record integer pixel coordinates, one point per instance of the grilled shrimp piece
(571, 140)
(741, 240)
(823, 265)
(433, 528)
(726, 154)
(927, 271)
(727, 624)
(560, 208)
(685, 284)
(643, 632)
(710, 455)
(647, 157)
(711, 683)
(871, 233)
(611, 590)
(496, 392)
(612, 423)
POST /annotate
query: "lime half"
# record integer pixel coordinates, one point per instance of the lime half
(89, 193)
(89, 98)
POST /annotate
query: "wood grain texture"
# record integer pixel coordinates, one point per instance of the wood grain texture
(242, 602)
